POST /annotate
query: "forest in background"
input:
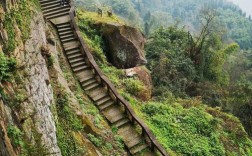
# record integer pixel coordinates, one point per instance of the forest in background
(149, 15)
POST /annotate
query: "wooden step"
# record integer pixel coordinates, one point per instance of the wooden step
(85, 79)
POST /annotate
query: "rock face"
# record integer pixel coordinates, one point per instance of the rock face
(6, 148)
(38, 88)
(126, 45)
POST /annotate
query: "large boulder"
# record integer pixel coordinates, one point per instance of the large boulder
(125, 45)
(144, 76)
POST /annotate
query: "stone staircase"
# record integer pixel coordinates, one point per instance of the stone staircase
(111, 110)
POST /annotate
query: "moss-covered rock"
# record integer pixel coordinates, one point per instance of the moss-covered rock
(125, 44)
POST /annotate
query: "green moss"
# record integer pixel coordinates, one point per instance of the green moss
(20, 16)
(15, 135)
(68, 122)
(7, 66)
(8, 23)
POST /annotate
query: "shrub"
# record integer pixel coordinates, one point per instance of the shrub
(7, 66)
(15, 135)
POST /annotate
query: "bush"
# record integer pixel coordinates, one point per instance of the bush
(7, 66)
(15, 135)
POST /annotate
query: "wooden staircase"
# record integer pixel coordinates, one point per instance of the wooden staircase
(96, 85)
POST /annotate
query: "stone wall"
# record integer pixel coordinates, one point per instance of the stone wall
(36, 111)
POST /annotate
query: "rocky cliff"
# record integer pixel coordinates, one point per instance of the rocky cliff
(43, 111)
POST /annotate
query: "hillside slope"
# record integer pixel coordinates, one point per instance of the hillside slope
(45, 111)
(184, 127)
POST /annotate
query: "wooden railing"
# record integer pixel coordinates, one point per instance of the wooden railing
(146, 133)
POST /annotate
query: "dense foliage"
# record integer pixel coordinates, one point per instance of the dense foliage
(196, 130)
(184, 127)
(151, 14)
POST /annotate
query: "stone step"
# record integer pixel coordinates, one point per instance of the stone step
(85, 79)
(76, 60)
(68, 39)
(57, 15)
(57, 11)
(73, 51)
(46, 7)
(44, 1)
(88, 83)
(106, 105)
(58, 7)
(121, 122)
(102, 101)
(138, 149)
(91, 87)
(113, 114)
(71, 46)
(62, 37)
(78, 69)
(124, 129)
(64, 30)
(63, 25)
(99, 96)
(130, 135)
(117, 117)
(134, 142)
(75, 55)
(78, 64)
(47, 3)
(84, 73)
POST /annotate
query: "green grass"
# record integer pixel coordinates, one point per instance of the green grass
(94, 17)
(15, 135)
